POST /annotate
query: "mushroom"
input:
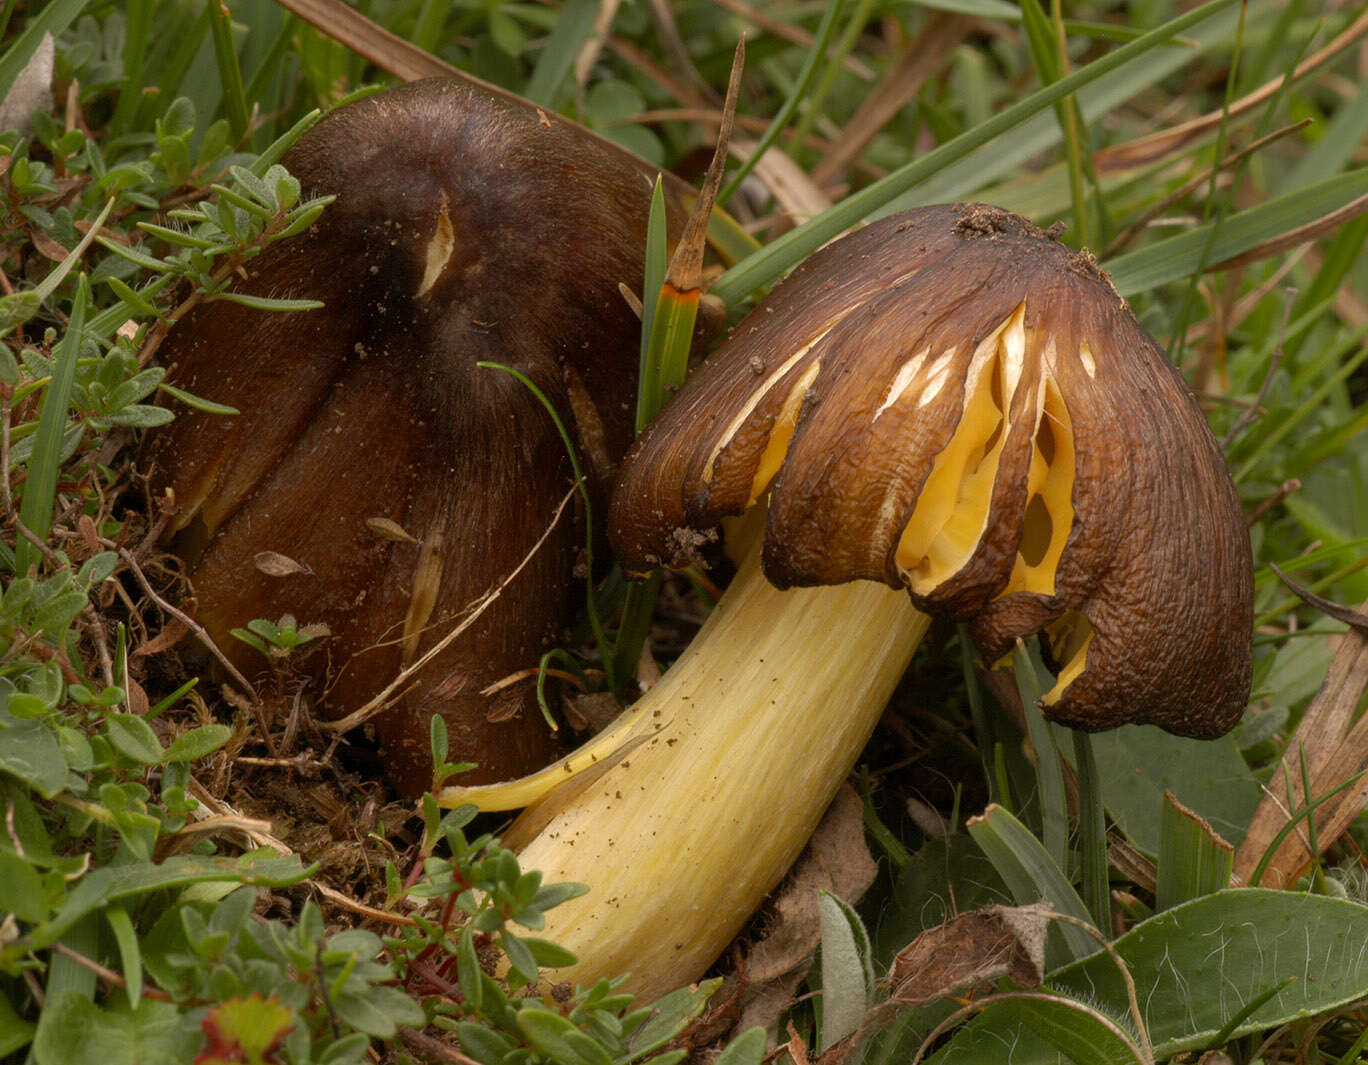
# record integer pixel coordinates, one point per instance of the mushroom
(947, 401)
(402, 480)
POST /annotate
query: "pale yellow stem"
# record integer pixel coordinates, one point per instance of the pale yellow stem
(738, 752)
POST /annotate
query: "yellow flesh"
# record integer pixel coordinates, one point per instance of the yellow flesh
(781, 434)
(952, 510)
(438, 251)
(1069, 637)
(1049, 498)
(754, 401)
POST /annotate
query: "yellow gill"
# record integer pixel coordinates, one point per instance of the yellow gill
(951, 513)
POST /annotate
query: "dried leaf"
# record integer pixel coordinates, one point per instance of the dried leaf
(836, 860)
(175, 631)
(137, 697)
(274, 564)
(972, 950)
(390, 530)
(1334, 746)
(1354, 618)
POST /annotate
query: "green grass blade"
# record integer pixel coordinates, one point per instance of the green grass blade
(1092, 833)
(1032, 681)
(985, 737)
(1031, 875)
(573, 27)
(650, 396)
(729, 238)
(1041, 132)
(1272, 436)
(36, 508)
(427, 30)
(1193, 860)
(836, 57)
(638, 605)
(169, 74)
(1177, 257)
(591, 608)
(137, 23)
(779, 256)
(230, 74)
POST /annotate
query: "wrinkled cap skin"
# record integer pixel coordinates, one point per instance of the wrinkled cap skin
(950, 401)
(466, 228)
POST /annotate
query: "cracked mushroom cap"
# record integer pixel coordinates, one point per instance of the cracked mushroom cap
(950, 401)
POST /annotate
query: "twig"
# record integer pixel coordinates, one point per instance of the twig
(108, 975)
(380, 701)
(96, 631)
(1154, 145)
(533, 671)
(1284, 490)
(416, 1040)
(185, 619)
(32, 537)
(1326, 223)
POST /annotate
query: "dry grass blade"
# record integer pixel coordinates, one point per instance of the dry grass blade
(676, 51)
(1301, 235)
(686, 266)
(593, 46)
(798, 195)
(1157, 145)
(1336, 748)
(926, 54)
(1195, 182)
(372, 41)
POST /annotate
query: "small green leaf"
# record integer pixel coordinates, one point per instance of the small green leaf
(482, 1043)
(198, 742)
(519, 957)
(266, 303)
(133, 738)
(130, 953)
(29, 751)
(21, 891)
(748, 1048)
(847, 973)
(558, 1038)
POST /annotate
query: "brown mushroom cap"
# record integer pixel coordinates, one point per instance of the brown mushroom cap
(466, 228)
(950, 401)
